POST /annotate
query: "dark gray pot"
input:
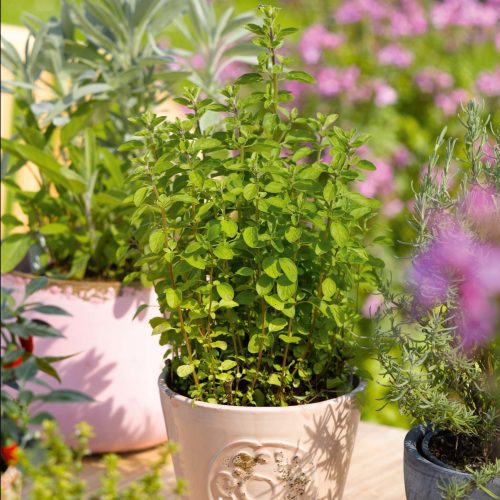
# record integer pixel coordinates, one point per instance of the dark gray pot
(422, 477)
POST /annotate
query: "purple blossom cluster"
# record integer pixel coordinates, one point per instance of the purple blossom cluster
(395, 55)
(381, 182)
(462, 263)
(488, 82)
(431, 80)
(406, 19)
(395, 26)
(440, 84)
(465, 13)
(315, 39)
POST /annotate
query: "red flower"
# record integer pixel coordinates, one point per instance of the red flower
(9, 453)
(14, 363)
(28, 344)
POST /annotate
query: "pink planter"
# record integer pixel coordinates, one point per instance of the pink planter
(247, 453)
(117, 361)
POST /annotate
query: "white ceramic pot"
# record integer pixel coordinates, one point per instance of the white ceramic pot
(116, 360)
(236, 453)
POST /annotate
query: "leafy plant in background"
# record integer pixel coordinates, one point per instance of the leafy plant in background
(97, 64)
(254, 243)
(57, 471)
(218, 48)
(20, 367)
(438, 352)
(83, 76)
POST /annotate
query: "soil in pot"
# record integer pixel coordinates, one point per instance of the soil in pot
(459, 452)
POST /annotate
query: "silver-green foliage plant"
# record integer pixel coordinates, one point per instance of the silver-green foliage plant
(82, 76)
(55, 471)
(437, 345)
(254, 242)
(214, 42)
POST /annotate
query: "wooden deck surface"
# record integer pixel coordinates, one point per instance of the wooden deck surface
(376, 471)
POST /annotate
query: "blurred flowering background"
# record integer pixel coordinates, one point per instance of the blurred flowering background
(398, 70)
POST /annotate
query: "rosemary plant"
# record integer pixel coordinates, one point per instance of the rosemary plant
(254, 240)
(437, 346)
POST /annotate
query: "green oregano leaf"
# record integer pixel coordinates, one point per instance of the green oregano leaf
(184, 371)
(225, 290)
(277, 324)
(328, 287)
(289, 268)
(251, 237)
(270, 267)
(173, 297)
(339, 233)
(300, 76)
(157, 241)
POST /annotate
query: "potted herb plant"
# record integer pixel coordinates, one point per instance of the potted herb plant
(255, 245)
(97, 65)
(438, 348)
(56, 470)
(21, 367)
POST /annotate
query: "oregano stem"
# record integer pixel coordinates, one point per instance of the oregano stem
(172, 276)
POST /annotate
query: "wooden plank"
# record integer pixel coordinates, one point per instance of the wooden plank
(376, 470)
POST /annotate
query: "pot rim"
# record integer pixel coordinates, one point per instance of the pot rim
(255, 409)
(413, 440)
(84, 284)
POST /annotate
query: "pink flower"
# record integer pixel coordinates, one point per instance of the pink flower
(233, 70)
(488, 82)
(401, 156)
(456, 265)
(349, 77)
(408, 20)
(348, 13)
(464, 13)
(377, 182)
(361, 93)
(384, 93)
(332, 81)
(430, 80)
(296, 88)
(198, 61)
(372, 305)
(395, 55)
(480, 206)
(328, 81)
(449, 103)
(392, 208)
(314, 40)
(326, 156)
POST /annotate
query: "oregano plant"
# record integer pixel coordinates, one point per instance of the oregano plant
(254, 239)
